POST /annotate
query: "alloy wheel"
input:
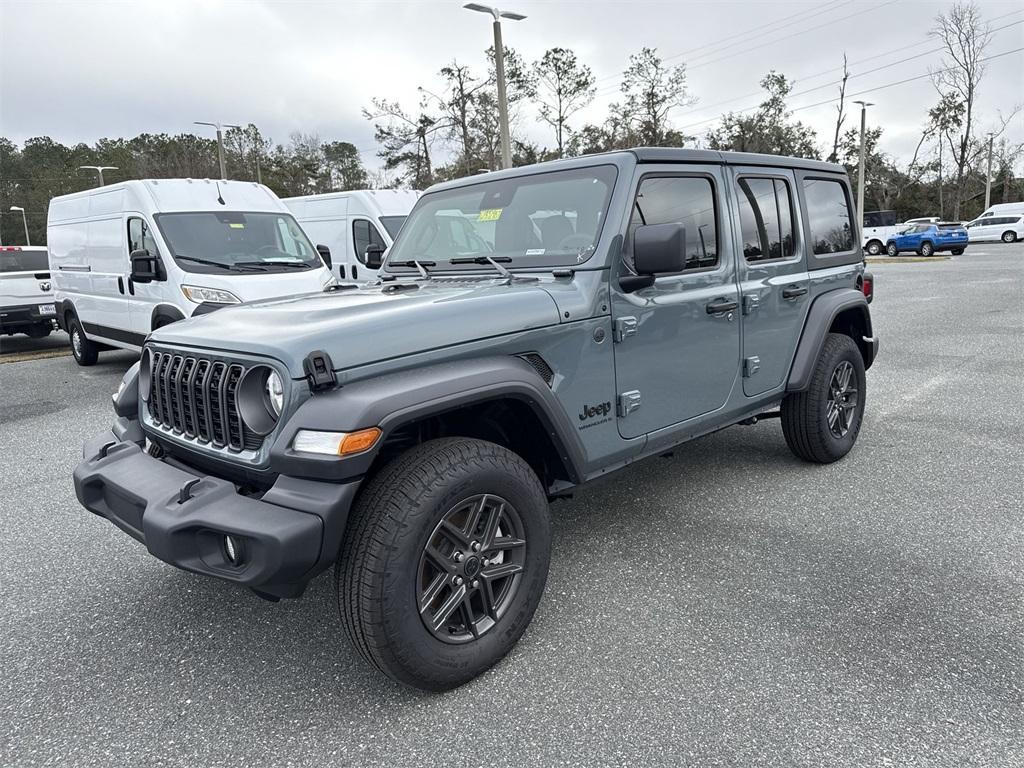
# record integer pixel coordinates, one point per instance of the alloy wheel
(842, 399)
(471, 568)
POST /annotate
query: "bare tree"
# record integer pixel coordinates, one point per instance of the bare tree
(564, 88)
(964, 36)
(651, 90)
(841, 110)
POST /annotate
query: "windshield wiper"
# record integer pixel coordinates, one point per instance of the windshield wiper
(267, 264)
(208, 262)
(494, 261)
(420, 265)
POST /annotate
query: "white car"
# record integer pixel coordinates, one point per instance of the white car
(131, 257)
(991, 229)
(26, 296)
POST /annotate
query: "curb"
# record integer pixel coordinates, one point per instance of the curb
(903, 259)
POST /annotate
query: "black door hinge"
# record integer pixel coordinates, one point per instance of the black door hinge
(319, 371)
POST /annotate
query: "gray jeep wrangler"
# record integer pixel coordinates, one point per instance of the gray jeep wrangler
(532, 330)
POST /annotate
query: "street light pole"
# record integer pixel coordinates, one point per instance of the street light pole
(24, 221)
(499, 69)
(220, 143)
(99, 169)
(860, 165)
(988, 176)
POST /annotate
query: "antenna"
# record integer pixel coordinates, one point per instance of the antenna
(220, 197)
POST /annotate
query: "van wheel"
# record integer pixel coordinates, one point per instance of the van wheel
(874, 248)
(926, 249)
(444, 562)
(892, 250)
(1009, 237)
(84, 351)
(821, 424)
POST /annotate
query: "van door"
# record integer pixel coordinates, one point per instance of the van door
(773, 274)
(144, 297)
(104, 310)
(676, 357)
(364, 233)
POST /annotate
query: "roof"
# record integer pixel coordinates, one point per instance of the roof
(385, 202)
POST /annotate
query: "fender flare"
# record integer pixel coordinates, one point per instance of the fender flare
(165, 311)
(393, 400)
(822, 313)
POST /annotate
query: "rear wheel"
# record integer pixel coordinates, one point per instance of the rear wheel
(444, 562)
(926, 249)
(84, 351)
(874, 248)
(892, 250)
(1009, 236)
(821, 424)
(957, 251)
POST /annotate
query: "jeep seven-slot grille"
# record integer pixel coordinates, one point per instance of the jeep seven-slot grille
(197, 398)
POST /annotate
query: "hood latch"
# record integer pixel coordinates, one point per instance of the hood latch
(319, 371)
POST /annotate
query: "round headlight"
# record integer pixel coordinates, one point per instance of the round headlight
(275, 393)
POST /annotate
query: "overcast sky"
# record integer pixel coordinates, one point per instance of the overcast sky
(79, 71)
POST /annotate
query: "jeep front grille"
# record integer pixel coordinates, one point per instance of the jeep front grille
(197, 398)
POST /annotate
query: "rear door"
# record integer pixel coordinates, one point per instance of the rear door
(676, 357)
(773, 274)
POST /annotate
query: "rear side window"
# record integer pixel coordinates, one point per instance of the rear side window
(363, 235)
(140, 238)
(688, 200)
(23, 261)
(766, 219)
(828, 214)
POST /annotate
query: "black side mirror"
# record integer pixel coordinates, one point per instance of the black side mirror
(374, 255)
(325, 254)
(145, 268)
(658, 249)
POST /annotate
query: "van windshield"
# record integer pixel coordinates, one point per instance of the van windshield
(392, 224)
(215, 241)
(544, 219)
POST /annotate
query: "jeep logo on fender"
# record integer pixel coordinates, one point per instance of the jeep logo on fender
(592, 411)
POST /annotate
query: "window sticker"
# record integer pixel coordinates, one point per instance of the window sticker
(236, 225)
(534, 251)
(489, 214)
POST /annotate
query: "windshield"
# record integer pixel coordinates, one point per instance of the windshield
(16, 260)
(392, 224)
(545, 219)
(230, 240)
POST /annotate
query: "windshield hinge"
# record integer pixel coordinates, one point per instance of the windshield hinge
(319, 371)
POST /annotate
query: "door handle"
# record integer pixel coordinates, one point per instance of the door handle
(718, 307)
(793, 291)
(120, 284)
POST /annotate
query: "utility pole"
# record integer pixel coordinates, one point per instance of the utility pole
(99, 170)
(220, 143)
(24, 221)
(860, 165)
(940, 177)
(499, 68)
(988, 175)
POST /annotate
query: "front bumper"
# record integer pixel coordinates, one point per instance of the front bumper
(288, 535)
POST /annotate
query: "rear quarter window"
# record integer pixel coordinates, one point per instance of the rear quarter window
(828, 216)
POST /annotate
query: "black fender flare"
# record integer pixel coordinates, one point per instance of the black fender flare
(825, 309)
(167, 312)
(395, 399)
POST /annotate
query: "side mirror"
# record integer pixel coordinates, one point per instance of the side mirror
(145, 268)
(658, 249)
(325, 254)
(374, 255)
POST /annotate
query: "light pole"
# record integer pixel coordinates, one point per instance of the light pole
(499, 68)
(24, 221)
(988, 176)
(860, 165)
(220, 143)
(99, 169)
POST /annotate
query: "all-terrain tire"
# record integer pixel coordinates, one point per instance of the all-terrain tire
(805, 415)
(380, 565)
(84, 351)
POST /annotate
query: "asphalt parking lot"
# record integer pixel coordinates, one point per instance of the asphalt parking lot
(727, 606)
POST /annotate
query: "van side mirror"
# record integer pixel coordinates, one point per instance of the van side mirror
(374, 255)
(658, 249)
(325, 254)
(145, 268)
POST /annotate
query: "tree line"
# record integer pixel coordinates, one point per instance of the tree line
(452, 131)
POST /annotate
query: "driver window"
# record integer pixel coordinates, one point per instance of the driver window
(139, 237)
(689, 200)
(363, 235)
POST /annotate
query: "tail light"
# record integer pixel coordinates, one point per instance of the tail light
(867, 286)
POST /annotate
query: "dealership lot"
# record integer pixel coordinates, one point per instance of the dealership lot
(726, 605)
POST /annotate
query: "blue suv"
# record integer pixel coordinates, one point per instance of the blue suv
(929, 239)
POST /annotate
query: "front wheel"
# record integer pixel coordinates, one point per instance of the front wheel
(444, 562)
(892, 250)
(821, 424)
(1009, 237)
(926, 249)
(85, 352)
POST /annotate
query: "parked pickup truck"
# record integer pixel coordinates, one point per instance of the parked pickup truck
(532, 330)
(26, 296)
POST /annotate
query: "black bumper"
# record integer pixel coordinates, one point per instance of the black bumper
(25, 316)
(287, 536)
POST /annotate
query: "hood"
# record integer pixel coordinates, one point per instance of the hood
(367, 324)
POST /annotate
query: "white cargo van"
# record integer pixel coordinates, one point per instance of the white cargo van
(131, 257)
(26, 296)
(349, 222)
(989, 229)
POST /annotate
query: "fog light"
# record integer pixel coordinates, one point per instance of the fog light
(233, 549)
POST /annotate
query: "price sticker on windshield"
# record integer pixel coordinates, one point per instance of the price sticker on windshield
(489, 214)
(236, 225)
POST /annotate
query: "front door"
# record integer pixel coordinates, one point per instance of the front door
(144, 297)
(773, 274)
(677, 342)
